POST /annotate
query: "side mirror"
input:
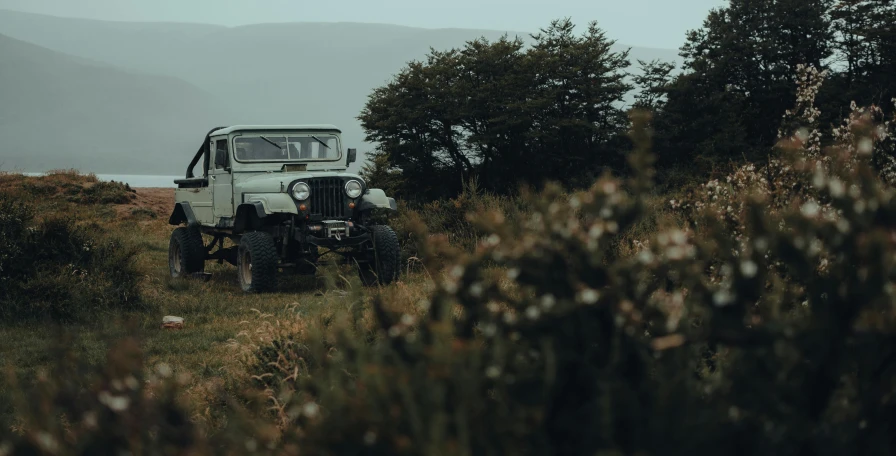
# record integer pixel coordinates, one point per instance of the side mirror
(352, 156)
(221, 159)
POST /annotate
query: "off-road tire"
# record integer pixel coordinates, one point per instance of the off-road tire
(385, 262)
(256, 263)
(186, 252)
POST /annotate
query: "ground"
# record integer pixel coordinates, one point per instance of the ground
(217, 314)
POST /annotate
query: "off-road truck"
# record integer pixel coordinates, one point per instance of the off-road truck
(282, 195)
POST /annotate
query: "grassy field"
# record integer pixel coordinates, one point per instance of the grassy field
(218, 316)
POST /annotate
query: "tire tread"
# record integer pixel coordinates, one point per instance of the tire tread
(387, 256)
(192, 249)
(264, 260)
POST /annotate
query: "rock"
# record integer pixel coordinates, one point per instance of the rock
(172, 322)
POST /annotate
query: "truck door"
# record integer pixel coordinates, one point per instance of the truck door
(222, 181)
(199, 194)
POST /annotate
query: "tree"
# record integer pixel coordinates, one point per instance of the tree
(653, 80)
(738, 78)
(578, 85)
(380, 173)
(865, 45)
(504, 116)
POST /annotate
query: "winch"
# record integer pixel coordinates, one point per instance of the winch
(335, 229)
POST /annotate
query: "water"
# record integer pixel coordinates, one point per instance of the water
(134, 180)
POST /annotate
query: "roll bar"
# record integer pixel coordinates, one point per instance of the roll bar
(202, 150)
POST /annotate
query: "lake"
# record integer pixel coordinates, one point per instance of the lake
(134, 180)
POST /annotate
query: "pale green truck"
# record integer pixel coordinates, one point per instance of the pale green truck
(282, 195)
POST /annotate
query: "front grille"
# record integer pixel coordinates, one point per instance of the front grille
(327, 197)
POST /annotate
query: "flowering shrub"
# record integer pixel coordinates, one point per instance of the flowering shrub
(774, 337)
(783, 179)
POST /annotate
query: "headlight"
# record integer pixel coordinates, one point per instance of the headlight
(353, 189)
(301, 191)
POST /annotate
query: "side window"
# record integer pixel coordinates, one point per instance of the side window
(206, 160)
(222, 157)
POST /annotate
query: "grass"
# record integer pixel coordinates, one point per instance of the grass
(216, 312)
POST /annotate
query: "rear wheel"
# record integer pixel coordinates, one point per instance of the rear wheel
(186, 253)
(257, 263)
(384, 263)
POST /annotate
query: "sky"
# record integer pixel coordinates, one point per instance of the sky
(649, 23)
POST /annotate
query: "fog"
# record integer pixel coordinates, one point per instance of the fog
(648, 23)
(138, 97)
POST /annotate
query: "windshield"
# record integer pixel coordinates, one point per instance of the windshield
(311, 146)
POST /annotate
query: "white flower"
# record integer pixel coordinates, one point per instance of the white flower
(310, 409)
(589, 296)
(748, 268)
(115, 403)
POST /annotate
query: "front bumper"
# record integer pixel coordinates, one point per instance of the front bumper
(333, 243)
(335, 234)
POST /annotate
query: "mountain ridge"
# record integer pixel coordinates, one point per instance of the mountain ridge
(275, 73)
(64, 104)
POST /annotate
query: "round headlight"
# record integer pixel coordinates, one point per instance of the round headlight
(353, 189)
(301, 191)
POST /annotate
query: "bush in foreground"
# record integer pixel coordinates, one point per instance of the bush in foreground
(55, 268)
(774, 338)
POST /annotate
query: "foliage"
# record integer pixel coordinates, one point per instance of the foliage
(722, 109)
(653, 80)
(105, 193)
(865, 53)
(737, 81)
(121, 408)
(775, 338)
(53, 268)
(67, 185)
(503, 115)
(380, 173)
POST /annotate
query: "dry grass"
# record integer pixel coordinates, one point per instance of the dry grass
(216, 312)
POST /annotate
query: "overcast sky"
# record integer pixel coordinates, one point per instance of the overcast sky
(653, 23)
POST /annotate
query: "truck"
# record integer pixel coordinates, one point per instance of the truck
(282, 196)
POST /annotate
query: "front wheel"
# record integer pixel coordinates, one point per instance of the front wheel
(257, 263)
(385, 260)
(186, 253)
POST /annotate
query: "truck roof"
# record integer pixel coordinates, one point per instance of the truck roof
(309, 127)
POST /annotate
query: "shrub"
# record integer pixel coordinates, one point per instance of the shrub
(124, 407)
(53, 268)
(775, 338)
(143, 212)
(105, 193)
(66, 185)
(455, 218)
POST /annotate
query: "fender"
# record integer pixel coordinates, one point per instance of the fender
(183, 213)
(376, 199)
(249, 216)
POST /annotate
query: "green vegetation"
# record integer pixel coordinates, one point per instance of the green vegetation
(503, 115)
(554, 111)
(749, 313)
(755, 317)
(54, 265)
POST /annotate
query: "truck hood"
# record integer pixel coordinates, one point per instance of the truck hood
(277, 182)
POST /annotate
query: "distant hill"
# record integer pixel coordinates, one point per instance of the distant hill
(267, 73)
(58, 111)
